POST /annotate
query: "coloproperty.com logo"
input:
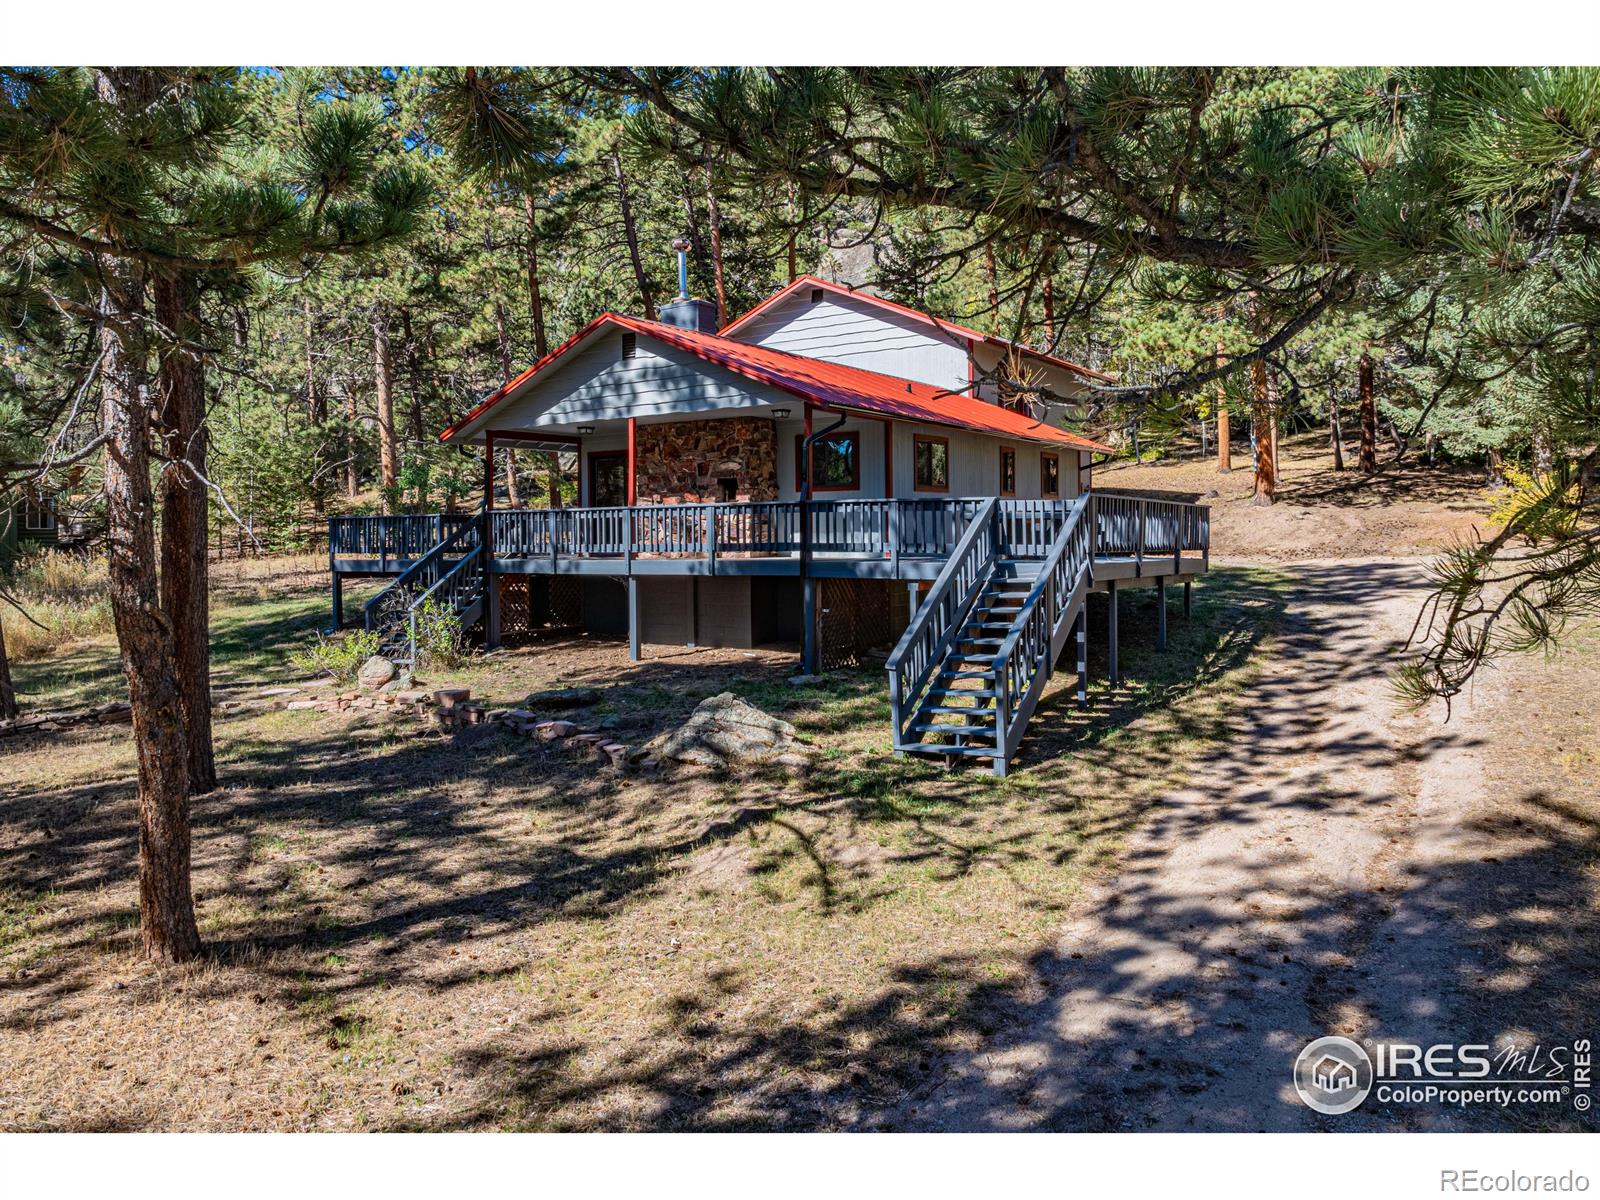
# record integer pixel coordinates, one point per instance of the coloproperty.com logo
(1335, 1075)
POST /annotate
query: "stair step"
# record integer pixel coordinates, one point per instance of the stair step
(956, 710)
(966, 675)
(946, 693)
(940, 748)
(953, 730)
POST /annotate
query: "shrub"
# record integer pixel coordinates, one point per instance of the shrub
(439, 636)
(340, 656)
(1544, 507)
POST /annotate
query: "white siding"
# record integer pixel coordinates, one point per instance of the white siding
(975, 463)
(854, 333)
(597, 384)
(869, 442)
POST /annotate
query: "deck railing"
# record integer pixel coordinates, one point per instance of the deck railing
(402, 536)
(919, 528)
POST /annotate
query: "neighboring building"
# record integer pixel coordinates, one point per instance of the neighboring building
(26, 523)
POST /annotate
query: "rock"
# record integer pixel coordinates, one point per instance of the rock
(279, 691)
(376, 672)
(798, 763)
(804, 680)
(561, 699)
(450, 697)
(724, 730)
(410, 696)
(301, 705)
(552, 731)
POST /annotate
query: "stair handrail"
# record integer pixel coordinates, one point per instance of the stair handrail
(405, 582)
(1067, 564)
(469, 561)
(939, 618)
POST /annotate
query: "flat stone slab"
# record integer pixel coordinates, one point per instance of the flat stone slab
(560, 699)
(725, 730)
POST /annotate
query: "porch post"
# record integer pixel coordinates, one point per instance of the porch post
(1111, 629)
(633, 462)
(1161, 613)
(1188, 585)
(808, 647)
(491, 603)
(338, 600)
(633, 619)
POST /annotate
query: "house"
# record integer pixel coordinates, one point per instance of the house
(26, 523)
(830, 469)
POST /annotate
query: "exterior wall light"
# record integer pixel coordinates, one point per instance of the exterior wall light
(780, 414)
(585, 430)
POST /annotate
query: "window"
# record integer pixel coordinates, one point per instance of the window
(835, 462)
(630, 344)
(1050, 476)
(1008, 471)
(37, 517)
(931, 458)
(816, 295)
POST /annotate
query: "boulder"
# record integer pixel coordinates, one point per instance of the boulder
(450, 697)
(375, 672)
(552, 731)
(725, 730)
(561, 699)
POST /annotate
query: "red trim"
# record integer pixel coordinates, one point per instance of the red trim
(926, 318)
(528, 435)
(633, 461)
(851, 435)
(821, 383)
(506, 388)
(916, 484)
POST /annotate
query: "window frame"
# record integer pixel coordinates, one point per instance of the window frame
(1003, 490)
(916, 482)
(853, 436)
(1054, 457)
(38, 516)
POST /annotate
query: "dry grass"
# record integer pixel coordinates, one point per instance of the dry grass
(63, 600)
(417, 930)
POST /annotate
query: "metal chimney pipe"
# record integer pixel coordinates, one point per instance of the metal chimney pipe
(681, 245)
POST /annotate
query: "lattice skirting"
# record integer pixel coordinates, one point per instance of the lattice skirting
(531, 605)
(858, 621)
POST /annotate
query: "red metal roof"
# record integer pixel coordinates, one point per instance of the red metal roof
(962, 331)
(817, 381)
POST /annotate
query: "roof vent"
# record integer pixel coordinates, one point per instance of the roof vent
(630, 344)
(816, 295)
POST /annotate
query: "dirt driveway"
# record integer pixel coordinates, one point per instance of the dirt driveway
(1336, 867)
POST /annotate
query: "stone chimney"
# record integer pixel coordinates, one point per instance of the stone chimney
(698, 315)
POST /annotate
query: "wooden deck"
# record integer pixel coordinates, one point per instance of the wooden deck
(855, 539)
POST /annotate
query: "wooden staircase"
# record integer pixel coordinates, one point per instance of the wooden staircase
(968, 673)
(450, 575)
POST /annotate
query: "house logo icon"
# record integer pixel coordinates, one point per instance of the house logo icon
(1333, 1075)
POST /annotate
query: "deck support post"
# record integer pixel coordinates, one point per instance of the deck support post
(1161, 613)
(1188, 587)
(1083, 654)
(808, 645)
(633, 619)
(491, 605)
(338, 601)
(1111, 629)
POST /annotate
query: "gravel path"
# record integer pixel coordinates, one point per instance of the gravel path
(1279, 898)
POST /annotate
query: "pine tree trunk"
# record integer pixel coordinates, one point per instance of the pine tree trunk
(185, 570)
(1049, 299)
(316, 398)
(541, 345)
(383, 382)
(513, 493)
(1262, 417)
(1224, 446)
(352, 482)
(631, 233)
(794, 261)
(145, 638)
(1368, 458)
(8, 693)
(1336, 433)
(715, 220)
(419, 432)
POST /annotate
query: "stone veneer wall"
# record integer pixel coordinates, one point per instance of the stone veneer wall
(683, 460)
